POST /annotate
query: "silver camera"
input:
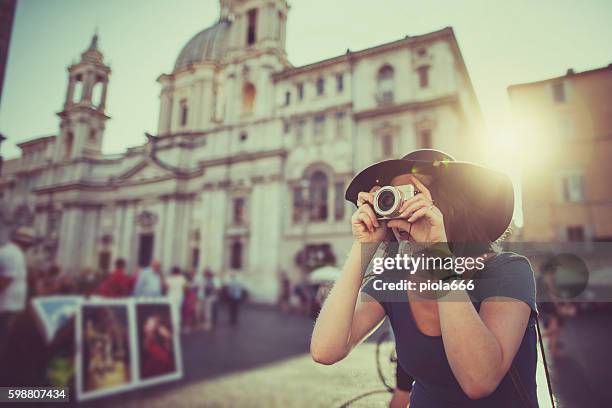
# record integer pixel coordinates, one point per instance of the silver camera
(389, 199)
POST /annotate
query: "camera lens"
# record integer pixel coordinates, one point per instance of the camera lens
(386, 200)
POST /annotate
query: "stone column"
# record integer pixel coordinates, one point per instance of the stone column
(233, 100)
(69, 91)
(158, 231)
(103, 98)
(160, 243)
(62, 237)
(88, 83)
(196, 110)
(214, 251)
(131, 246)
(93, 236)
(185, 232)
(80, 134)
(118, 229)
(168, 259)
(69, 252)
(265, 239)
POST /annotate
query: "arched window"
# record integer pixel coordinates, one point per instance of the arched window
(318, 196)
(385, 84)
(236, 255)
(251, 26)
(184, 112)
(423, 76)
(96, 94)
(386, 145)
(77, 91)
(320, 86)
(248, 98)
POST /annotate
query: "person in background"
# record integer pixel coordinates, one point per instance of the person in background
(285, 292)
(198, 281)
(176, 292)
(149, 281)
(13, 285)
(118, 283)
(190, 302)
(235, 294)
(301, 291)
(210, 299)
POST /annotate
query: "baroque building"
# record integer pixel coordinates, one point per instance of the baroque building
(566, 188)
(249, 166)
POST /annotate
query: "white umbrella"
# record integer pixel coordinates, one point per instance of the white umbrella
(324, 274)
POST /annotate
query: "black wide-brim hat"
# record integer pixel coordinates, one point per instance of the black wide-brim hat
(491, 191)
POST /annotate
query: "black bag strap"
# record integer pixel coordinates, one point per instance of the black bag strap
(518, 383)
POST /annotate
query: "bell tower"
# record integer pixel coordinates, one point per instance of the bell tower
(82, 120)
(257, 25)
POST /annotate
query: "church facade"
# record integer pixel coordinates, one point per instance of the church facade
(248, 169)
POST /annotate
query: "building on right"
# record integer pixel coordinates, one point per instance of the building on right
(564, 128)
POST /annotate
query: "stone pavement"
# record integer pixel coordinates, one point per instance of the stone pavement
(264, 362)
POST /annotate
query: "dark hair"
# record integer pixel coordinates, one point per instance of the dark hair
(176, 270)
(466, 234)
(120, 263)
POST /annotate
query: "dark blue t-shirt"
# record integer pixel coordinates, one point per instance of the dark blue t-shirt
(423, 357)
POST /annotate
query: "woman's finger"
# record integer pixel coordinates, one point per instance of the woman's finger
(365, 220)
(364, 197)
(421, 187)
(420, 213)
(375, 189)
(417, 198)
(407, 213)
(370, 212)
(411, 202)
(399, 223)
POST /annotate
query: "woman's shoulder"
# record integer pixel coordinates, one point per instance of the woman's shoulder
(508, 275)
(510, 263)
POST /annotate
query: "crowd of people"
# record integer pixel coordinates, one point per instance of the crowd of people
(195, 296)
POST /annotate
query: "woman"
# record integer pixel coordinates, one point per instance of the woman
(478, 350)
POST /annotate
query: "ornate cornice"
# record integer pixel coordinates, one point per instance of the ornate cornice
(244, 157)
(404, 107)
(354, 56)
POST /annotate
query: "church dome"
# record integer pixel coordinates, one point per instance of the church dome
(207, 45)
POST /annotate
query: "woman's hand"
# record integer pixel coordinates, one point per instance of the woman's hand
(420, 217)
(366, 228)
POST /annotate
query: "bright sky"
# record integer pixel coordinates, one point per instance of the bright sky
(503, 42)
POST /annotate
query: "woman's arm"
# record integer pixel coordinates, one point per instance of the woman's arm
(481, 347)
(345, 320)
